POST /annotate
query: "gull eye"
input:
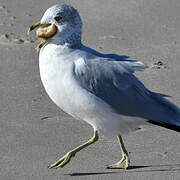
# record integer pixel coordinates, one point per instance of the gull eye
(58, 18)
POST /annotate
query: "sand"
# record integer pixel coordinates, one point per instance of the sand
(34, 132)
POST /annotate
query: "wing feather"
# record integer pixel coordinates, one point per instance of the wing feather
(114, 83)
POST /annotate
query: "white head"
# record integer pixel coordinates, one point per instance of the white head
(68, 24)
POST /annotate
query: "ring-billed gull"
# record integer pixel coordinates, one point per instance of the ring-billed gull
(95, 88)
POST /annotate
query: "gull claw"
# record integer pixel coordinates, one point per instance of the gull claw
(122, 164)
(63, 161)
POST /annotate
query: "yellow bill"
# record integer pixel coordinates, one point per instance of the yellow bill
(44, 31)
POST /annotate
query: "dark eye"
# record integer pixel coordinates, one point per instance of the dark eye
(58, 18)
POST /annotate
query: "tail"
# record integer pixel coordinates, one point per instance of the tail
(173, 117)
(165, 125)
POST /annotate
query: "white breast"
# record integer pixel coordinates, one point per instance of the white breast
(56, 75)
(56, 71)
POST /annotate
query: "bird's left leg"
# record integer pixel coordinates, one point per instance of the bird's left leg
(67, 157)
(125, 161)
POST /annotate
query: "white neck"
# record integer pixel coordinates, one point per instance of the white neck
(72, 39)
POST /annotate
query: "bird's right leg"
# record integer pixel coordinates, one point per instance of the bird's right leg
(67, 157)
(125, 161)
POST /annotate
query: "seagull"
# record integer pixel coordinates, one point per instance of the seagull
(101, 90)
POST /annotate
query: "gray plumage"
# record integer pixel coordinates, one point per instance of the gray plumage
(113, 81)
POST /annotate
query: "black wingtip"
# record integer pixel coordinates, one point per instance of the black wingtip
(171, 127)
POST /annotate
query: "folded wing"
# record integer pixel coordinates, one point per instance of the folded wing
(114, 83)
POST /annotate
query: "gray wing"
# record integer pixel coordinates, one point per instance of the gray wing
(114, 83)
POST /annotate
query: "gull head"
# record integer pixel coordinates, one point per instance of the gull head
(61, 24)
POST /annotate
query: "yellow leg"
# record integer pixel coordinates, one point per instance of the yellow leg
(67, 157)
(125, 161)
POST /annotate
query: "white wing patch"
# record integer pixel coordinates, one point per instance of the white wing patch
(80, 66)
(135, 66)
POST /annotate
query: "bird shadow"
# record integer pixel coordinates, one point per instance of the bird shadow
(165, 168)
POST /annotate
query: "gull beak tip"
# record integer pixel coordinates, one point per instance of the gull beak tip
(36, 25)
(28, 31)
